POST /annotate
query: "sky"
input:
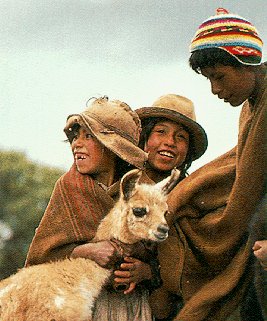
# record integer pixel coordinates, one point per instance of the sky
(55, 55)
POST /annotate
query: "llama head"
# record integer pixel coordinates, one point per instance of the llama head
(145, 206)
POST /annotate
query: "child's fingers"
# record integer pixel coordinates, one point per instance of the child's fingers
(130, 259)
(127, 266)
(122, 274)
(256, 246)
(131, 288)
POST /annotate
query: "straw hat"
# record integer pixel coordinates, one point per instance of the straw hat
(115, 125)
(180, 110)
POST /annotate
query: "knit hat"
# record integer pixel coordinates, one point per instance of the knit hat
(180, 110)
(231, 33)
(115, 125)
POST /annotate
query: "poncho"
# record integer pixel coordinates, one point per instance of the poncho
(76, 206)
(207, 260)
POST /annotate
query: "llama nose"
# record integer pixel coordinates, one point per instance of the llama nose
(163, 228)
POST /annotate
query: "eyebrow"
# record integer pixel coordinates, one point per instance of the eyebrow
(180, 126)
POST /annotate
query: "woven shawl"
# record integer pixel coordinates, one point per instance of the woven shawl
(72, 216)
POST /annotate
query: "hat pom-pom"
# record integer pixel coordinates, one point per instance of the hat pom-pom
(221, 11)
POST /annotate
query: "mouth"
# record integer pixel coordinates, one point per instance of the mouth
(80, 156)
(166, 153)
(227, 99)
(160, 237)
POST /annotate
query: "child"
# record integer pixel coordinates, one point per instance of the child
(227, 50)
(212, 208)
(104, 142)
(171, 136)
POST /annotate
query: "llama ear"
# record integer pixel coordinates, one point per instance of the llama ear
(167, 184)
(128, 182)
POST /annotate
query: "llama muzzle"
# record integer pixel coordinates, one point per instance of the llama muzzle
(162, 232)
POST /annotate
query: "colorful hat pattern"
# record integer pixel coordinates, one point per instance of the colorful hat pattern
(231, 33)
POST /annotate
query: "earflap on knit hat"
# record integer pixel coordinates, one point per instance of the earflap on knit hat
(231, 33)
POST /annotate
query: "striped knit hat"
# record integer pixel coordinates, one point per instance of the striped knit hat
(231, 33)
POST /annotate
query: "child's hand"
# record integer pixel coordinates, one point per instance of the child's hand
(102, 252)
(260, 251)
(132, 271)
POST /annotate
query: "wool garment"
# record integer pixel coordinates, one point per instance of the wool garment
(232, 33)
(207, 261)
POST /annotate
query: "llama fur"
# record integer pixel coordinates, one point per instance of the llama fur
(66, 290)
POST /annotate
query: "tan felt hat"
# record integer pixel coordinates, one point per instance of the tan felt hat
(180, 110)
(115, 125)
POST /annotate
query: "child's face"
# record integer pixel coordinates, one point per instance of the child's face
(232, 84)
(167, 146)
(90, 156)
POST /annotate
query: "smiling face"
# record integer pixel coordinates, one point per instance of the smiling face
(91, 157)
(232, 84)
(167, 146)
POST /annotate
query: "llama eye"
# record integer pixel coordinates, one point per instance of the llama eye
(139, 211)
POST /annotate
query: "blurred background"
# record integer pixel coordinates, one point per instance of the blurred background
(55, 55)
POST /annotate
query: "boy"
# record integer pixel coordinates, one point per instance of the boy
(227, 50)
(212, 274)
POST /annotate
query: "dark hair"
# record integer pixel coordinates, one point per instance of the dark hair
(122, 167)
(147, 126)
(71, 133)
(210, 57)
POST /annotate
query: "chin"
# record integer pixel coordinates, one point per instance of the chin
(81, 170)
(235, 104)
(164, 169)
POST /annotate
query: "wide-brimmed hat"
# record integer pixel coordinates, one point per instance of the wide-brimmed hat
(180, 110)
(115, 125)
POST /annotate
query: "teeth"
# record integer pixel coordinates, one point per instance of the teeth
(165, 153)
(80, 157)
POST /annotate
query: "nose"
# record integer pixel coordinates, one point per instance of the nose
(163, 228)
(78, 142)
(215, 88)
(169, 140)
